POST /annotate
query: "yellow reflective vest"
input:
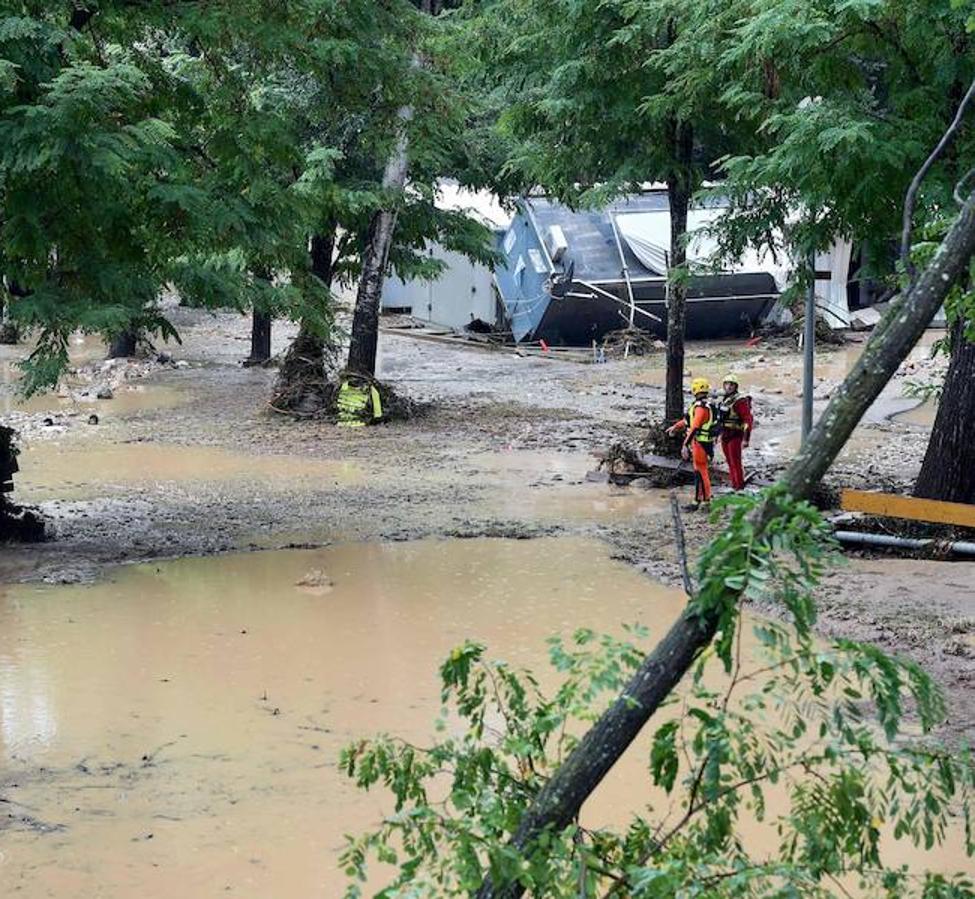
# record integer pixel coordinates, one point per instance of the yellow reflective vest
(354, 405)
(703, 434)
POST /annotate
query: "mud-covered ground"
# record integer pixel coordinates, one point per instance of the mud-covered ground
(188, 458)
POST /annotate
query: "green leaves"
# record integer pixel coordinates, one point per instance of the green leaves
(200, 144)
(778, 747)
(664, 762)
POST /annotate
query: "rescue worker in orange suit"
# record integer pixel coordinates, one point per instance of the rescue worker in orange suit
(698, 442)
(736, 428)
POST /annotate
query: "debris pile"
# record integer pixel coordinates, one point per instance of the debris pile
(632, 342)
(626, 464)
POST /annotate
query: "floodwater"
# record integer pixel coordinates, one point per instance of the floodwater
(189, 714)
(551, 487)
(922, 415)
(127, 399)
(596, 503)
(174, 730)
(777, 373)
(82, 469)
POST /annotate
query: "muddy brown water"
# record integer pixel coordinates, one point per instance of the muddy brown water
(551, 487)
(777, 374)
(922, 415)
(173, 730)
(127, 399)
(75, 469)
(189, 714)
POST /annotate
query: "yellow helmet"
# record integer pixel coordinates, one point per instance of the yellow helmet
(733, 378)
(700, 385)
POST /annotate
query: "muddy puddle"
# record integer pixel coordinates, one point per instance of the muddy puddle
(69, 399)
(598, 503)
(921, 416)
(81, 469)
(767, 372)
(173, 730)
(189, 714)
(551, 487)
(126, 400)
(82, 349)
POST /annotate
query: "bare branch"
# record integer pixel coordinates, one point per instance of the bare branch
(910, 201)
(681, 546)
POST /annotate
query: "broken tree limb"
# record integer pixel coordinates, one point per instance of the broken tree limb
(685, 571)
(558, 803)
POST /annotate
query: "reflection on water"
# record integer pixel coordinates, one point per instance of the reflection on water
(182, 720)
(77, 470)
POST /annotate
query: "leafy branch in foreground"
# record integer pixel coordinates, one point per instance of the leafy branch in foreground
(777, 770)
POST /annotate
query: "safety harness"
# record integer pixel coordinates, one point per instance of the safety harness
(730, 419)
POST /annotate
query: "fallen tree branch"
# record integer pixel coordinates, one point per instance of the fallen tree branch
(685, 572)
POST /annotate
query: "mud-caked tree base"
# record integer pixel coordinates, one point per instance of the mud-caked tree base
(306, 380)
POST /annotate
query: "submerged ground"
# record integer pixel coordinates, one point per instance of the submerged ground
(183, 663)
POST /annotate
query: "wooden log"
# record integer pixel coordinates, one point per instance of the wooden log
(893, 505)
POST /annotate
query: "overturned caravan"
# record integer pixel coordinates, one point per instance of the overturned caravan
(569, 277)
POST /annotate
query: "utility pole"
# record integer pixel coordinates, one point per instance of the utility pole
(809, 350)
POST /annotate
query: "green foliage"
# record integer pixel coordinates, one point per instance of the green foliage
(791, 555)
(198, 146)
(846, 99)
(766, 776)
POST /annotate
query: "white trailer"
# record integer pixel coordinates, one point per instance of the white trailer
(464, 290)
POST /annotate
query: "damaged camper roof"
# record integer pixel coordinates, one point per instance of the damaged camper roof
(610, 265)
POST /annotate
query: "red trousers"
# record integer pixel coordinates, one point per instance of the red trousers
(731, 445)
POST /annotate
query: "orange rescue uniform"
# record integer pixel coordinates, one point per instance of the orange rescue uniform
(700, 453)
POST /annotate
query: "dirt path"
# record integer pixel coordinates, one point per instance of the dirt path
(190, 461)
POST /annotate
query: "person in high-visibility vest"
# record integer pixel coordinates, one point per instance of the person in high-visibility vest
(358, 402)
(699, 440)
(736, 428)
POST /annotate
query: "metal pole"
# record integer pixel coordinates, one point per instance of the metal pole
(629, 286)
(626, 269)
(809, 348)
(962, 547)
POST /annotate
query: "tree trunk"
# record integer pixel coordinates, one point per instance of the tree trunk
(365, 320)
(260, 321)
(9, 331)
(679, 196)
(123, 344)
(558, 803)
(948, 472)
(364, 341)
(301, 386)
(260, 338)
